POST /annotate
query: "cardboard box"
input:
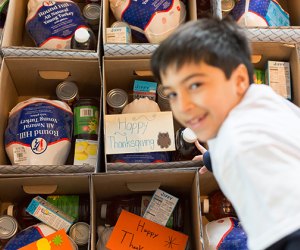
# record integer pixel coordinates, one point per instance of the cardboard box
(180, 183)
(23, 78)
(289, 34)
(120, 72)
(17, 42)
(28, 187)
(136, 48)
(265, 51)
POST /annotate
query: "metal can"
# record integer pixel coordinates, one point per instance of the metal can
(119, 24)
(91, 13)
(116, 99)
(80, 233)
(67, 92)
(227, 6)
(162, 99)
(8, 227)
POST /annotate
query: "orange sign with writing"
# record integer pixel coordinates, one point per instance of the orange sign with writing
(56, 241)
(133, 232)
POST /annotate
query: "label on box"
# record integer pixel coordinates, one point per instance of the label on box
(139, 133)
(143, 234)
(49, 214)
(118, 35)
(161, 207)
(85, 152)
(143, 89)
(278, 77)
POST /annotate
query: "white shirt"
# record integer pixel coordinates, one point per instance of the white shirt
(256, 161)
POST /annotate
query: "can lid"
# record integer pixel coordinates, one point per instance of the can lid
(120, 24)
(92, 11)
(8, 227)
(227, 5)
(66, 90)
(160, 92)
(117, 98)
(80, 232)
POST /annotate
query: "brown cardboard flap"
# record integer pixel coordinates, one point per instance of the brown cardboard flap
(40, 189)
(58, 75)
(143, 72)
(143, 186)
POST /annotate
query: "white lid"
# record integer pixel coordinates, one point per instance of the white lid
(82, 35)
(103, 211)
(189, 135)
(10, 210)
(206, 206)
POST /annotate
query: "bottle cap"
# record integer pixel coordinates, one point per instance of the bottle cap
(82, 35)
(189, 135)
(206, 206)
(103, 211)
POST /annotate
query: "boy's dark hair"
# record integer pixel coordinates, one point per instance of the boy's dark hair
(218, 43)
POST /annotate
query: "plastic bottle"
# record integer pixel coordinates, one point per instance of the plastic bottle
(83, 39)
(217, 206)
(137, 204)
(185, 145)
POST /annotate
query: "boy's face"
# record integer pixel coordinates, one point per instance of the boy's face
(201, 97)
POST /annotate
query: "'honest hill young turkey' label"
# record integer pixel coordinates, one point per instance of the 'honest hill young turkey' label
(39, 132)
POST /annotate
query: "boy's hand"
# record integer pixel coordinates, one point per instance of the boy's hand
(202, 149)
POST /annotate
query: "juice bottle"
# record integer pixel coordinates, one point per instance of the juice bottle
(83, 39)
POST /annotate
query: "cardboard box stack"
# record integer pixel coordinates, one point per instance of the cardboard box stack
(28, 71)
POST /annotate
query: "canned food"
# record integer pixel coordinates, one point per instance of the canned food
(91, 13)
(8, 227)
(116, 99)
(162, 99)
(67, 92)
(227, 6)
(80, 232)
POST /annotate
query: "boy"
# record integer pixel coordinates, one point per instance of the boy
(252, 133)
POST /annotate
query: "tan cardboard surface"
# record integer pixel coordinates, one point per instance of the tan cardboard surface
(20, 80)
(181, 182)
(16, 41)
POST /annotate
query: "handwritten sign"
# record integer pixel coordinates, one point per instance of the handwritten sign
(139, 133)
(143, 234)
(55, 241)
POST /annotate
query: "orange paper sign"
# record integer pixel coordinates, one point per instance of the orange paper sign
(134, 232)
(56, 241)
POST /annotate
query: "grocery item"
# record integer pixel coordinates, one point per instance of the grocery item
(153, 19)
(8, 228)
(104, 233)
(162, 99)
(119, 32)
(110, 210)
(86, 120)
(217, 206)
(260, 13)
(39, 132)
(91, 13)
(116, 100)
(80, 233)
(28, 236)
(83, 39)
(77, 206)
(185, 145)
(51, 24)
(142, 89)
(67, 92)
(226, 233)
